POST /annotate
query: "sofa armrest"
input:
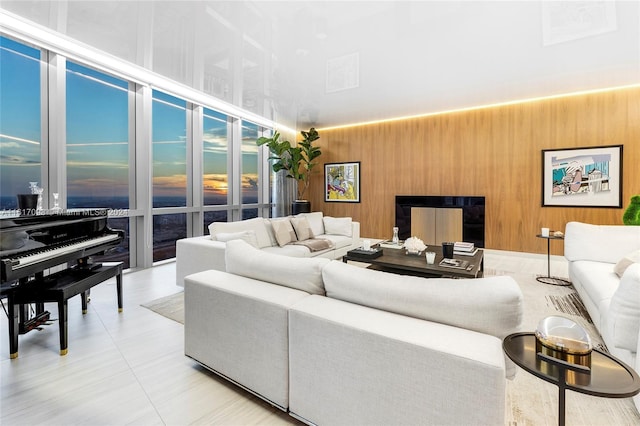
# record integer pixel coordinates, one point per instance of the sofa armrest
(599, 243)
(198, 254)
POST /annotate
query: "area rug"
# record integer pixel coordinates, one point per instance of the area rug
(171, 306)
(530, 401)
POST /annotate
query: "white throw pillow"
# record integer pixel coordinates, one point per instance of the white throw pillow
(300, 273)
(337, 226)
(315, 222)
(302, 228)
(625, 262)
(248, 236)
(283, 231)
(257, 225)
(624, 310)
(272, 236)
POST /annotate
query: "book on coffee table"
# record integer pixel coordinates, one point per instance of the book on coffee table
(454, 263)
(390, 244)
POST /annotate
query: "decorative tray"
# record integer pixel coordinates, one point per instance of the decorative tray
(365, 254)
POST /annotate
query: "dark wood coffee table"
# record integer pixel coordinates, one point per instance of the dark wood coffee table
(398, 262)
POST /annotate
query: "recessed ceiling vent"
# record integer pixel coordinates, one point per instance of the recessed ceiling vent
(343, 72)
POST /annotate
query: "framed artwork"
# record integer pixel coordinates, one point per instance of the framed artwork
(342, 182)
(582, 177)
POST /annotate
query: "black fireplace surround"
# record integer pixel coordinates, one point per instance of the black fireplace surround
(472, 214)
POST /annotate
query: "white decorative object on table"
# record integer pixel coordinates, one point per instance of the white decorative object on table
(395, 239)
(414, 245)
(431, 257)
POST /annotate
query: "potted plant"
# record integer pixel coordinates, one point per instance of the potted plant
(296, 160)
(631, 214)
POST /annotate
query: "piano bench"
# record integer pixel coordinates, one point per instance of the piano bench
(59, 287)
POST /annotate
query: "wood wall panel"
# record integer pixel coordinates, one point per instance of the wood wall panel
(492, 152)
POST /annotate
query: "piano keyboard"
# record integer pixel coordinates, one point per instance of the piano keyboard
(46, 254)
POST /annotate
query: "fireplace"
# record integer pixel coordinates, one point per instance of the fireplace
(470, 209)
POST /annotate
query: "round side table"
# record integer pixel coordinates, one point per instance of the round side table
(606, 377)
(549, 279)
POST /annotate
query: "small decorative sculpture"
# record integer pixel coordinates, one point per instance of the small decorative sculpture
(395, 239)
(414, 245)
(56, 203)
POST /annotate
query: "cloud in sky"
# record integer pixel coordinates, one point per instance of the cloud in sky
(215, 183)
(16, 160)
(94, 164)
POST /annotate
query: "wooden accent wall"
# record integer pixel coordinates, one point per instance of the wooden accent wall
(491, 152)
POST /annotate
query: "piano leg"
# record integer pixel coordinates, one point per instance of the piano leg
(13, 326)
(62, 323)
(119, 287)
(84, 297)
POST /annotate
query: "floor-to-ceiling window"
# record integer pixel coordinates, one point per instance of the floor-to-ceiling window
(215, 157)
(20, 120)
(169, 128)
(97, 129)
(193, 164)
(169, 118)
(97, 139)
(250, 181)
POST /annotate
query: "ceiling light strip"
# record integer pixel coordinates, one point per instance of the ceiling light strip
(37, 35)
(473, 108)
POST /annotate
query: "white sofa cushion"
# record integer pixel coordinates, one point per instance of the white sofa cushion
(293, 250)
(337, 225)
(625, 262)
(624, 310)
(283, 231)
(339, 241)
(302, 228)
(488, 305)
(248, 236)
(300, 273)
(256, 224)
(315, 222)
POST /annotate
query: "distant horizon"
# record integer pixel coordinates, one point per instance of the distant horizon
(10, 202)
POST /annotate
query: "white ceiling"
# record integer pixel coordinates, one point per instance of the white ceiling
(305, 63)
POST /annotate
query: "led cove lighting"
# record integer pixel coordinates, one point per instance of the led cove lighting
(45, 38)
(473, 108)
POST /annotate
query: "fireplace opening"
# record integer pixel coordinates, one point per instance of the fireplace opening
(435, 219)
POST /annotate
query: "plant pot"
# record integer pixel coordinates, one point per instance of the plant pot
(300, 206)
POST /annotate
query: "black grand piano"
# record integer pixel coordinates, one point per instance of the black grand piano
(31, 245)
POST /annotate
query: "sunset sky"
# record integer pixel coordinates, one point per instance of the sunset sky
(97, 128)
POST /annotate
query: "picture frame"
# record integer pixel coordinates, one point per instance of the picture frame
(342, 182)
(582, 177)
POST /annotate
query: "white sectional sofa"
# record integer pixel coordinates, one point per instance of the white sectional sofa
(336, 344)
(285, 236)
(604, 269)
